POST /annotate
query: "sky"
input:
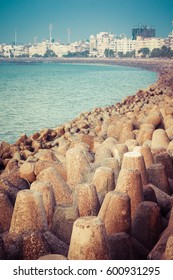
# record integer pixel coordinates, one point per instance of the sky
(31, 18)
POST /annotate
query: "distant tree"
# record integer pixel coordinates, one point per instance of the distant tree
(23, 55)
(50, 53)
(120, 54)
(77, 54)
(163, 52)
(11, 54)
(109, 53)
(144, 51)
(37, 55)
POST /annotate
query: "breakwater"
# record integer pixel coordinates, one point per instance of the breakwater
(97, 187)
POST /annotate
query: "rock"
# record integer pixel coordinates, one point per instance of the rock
(78, 166)
(6, 211)
(147, 224)
(25, 218)
(115, 213)
(63, 220)
(5, 150)
(27, 171)
(89, 240)
(87, 200)
(129, 182)
(62, 192)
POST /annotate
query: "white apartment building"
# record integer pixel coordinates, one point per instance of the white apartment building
(38, 49)
(104, 40)
(170, 40)
(101, 42)
(125, 45)
(150, 43)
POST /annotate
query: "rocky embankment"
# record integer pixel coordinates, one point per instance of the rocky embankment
(98, 187)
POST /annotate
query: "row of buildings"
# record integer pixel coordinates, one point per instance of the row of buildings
(142, 37)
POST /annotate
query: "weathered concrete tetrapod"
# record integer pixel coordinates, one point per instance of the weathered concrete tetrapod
(112, 163)
(87, 199)
(118, 152)
(129, 182)
(6, 211)
(163, 142)
(78, 166)
(169, 249)
(29, 213)
(27, 171)
(115, 213)
(157, 177)
(89, 240)
(104, 181)
(165, 159)
(63, 220)
(52, 257)
(46, 190)
(147, 224)
(62, 192)
(135, 161)
(147, 154)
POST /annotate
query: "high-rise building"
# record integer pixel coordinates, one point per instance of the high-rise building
(143, 31)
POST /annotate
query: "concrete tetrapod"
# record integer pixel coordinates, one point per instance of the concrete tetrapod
(104, 181)
(89, 240)
(87, 200)
(115, 213)
(129, 182)
(78, 166)
(147, 154)
(157, 176)
(135, 161)
(46, 190)
(147, 224)
(29, 213)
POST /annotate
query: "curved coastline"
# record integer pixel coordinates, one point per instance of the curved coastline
(90, 166)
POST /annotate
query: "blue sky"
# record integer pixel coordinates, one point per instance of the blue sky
(84, 17)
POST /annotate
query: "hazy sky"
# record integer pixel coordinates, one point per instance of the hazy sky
(84, 17)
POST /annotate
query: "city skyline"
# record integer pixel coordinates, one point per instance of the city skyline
(24, 21)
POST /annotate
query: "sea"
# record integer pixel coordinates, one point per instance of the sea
(34, 96)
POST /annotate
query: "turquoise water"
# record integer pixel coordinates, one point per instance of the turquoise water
(36, 96)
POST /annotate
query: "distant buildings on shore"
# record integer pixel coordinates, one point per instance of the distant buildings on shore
(103, 44)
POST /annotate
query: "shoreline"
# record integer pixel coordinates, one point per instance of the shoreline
(154, 64)
(107, 174)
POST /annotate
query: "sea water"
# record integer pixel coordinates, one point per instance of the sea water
(45, 95)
